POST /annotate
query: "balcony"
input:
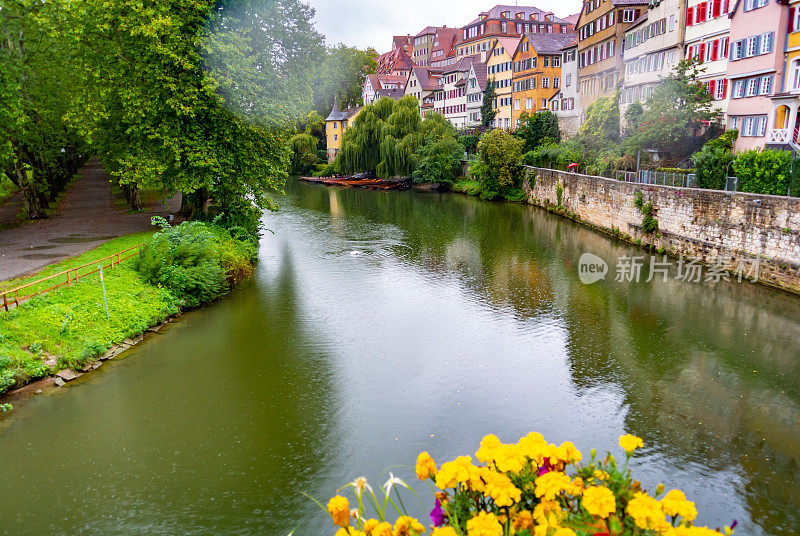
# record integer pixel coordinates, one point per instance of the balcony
(780, 135)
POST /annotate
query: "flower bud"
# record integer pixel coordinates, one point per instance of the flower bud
(659, 489)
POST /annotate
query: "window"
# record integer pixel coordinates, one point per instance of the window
(555, 81)
(545, 82)
(516, 104)
(335, 137)
(795, 73)
(556, 61)
(628, 15)
(568, 81)
(546, 61)
(766, 42)
(504, 26)
(528, 103)
(752, 45)
(766, 85)
(752, 87)
(544, 103)
(738, 89)
(720, 87)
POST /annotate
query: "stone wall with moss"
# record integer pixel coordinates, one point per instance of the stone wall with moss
(737, 231)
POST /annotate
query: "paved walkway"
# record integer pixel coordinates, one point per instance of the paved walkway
(84, 219)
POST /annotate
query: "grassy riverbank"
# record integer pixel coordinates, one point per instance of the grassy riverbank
(181, 267)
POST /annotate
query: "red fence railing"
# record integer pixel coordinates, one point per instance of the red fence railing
(13, 297)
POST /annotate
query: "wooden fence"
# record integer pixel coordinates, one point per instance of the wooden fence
(13, 297)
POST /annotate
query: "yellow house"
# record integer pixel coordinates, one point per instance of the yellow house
(335, 125)
(499, 70)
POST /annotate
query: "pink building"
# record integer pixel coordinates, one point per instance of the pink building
(755, 67)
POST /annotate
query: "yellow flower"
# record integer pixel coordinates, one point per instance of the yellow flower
(531, 446)
(370, 525)
(547, 513)
(674, 503)
(489, 443)
(577, 487)
(551, 484)
(484, 525)
(339, 509)
(646, 513)
(522, 521)
(407, 526)
(567, 453)
(350, 531)
(444, 531)
(509, 459)
(599, 501)
(629, 443)
(382, 529)
(600, 475)
(500, 488)
(460, 471)
(426, 467)
(564, 531)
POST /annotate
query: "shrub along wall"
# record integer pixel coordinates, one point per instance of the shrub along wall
(704, 225)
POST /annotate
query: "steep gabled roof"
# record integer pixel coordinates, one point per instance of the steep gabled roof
(480, 71)
(527, 11)
(549, 43)
(510, 44)
(428, 77)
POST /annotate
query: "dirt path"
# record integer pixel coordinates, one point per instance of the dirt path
(84, 219)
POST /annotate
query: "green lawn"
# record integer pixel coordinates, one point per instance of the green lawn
(70, 324)
(112, 246)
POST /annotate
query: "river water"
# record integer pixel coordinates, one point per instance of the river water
(380, 324)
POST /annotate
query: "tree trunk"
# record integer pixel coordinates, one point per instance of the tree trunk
(193, 204)
(34, 209)
(134, 199)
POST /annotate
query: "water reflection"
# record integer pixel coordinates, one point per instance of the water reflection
(380, 324)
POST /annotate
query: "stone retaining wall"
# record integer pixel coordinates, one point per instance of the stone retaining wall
(742, 232)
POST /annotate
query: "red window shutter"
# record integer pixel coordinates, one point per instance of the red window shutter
(727, 6)
(791, 20)
(689, 17)
(702, 54)
(717, 8)
(711, 86)
(714, 50)
(702, 11)
(725, 88)
(690, 53)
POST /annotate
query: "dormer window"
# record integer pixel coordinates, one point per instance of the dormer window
(504, 14)
(519, 14)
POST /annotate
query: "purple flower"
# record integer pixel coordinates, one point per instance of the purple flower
(437, 515)
(546, 468)
(733, 525)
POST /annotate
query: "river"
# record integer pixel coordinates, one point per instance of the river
(381, 324)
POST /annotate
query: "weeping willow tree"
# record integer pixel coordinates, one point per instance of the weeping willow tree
(383, 140)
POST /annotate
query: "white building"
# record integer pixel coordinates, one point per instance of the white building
(565, 102)
(383, 85)
(476, 87)
(653, 47)
(706, 40)
(451, 100)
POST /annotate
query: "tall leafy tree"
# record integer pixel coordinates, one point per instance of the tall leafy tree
(488, 112)
(341, 72)
(194, 95)
(602, 122)
(677, 112)
(39, 151)
(537, 128)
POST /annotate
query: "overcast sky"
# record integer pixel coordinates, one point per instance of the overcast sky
(372, 23)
